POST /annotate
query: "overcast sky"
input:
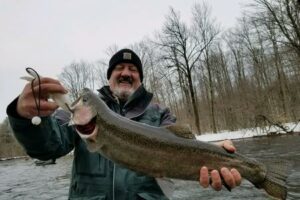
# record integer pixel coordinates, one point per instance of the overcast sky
(49, 35)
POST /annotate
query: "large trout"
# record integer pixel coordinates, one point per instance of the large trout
(160, 152)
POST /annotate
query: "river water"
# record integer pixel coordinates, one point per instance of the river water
(22, 179)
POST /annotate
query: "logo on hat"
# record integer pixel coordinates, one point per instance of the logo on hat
(127, 56)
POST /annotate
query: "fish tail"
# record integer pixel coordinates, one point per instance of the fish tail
(275, 180)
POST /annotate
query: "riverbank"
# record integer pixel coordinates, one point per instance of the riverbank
(15, 157)
(293, 128)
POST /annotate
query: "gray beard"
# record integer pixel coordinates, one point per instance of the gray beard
(122, 94)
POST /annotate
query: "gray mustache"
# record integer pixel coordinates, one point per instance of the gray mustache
(125, 79)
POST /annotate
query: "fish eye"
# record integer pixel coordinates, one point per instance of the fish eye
(85, 99)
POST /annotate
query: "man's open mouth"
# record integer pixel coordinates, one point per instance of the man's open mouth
(88, 128)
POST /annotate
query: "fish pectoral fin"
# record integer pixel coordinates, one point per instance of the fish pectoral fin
(183, 131)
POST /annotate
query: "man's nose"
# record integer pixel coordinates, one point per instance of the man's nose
(126, 72)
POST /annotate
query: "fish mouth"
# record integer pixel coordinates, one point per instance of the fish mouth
(88, 132)
(87, 129)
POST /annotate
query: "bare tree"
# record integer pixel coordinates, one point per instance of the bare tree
(206, 32)
(181, 52)
(281, 21)
(240, 98)
(277, 60)
(100, 69)
(77, 76)
(286, 16)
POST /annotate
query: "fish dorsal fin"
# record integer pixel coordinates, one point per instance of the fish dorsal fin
(183, 131)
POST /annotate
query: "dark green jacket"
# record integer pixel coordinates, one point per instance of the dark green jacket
(93, 176)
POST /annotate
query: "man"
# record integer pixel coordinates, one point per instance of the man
(93, 176)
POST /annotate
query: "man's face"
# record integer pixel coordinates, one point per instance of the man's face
(124, 80)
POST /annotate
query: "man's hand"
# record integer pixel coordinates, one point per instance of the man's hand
(231, 177)
(26, 106)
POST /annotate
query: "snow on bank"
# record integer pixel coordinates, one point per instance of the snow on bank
(15, 157)
(246, 133)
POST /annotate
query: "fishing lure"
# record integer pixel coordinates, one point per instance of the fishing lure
(62, 100)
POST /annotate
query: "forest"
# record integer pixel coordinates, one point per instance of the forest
(213, 78)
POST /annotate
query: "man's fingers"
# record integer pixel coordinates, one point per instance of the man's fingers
(48, 88)
(46, 108)
(48, 85)
(47, 105)
(216, 180)
(45, 80)
(237, 176)
(228, 145)
(43, 104)
(30, 101)
(228, 177)
(204, 177)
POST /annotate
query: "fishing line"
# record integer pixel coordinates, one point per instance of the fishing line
(36, 120)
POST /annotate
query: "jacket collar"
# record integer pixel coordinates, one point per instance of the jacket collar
(136, 103)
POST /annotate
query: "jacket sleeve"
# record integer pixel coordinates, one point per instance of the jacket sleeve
(51, 139)
(166, 117)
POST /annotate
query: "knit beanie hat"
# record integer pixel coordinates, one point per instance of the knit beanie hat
(125, 56)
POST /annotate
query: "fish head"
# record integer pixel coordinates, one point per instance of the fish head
(84, 116)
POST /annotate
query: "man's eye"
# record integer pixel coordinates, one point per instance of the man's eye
(134, 69)
(119, 67)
